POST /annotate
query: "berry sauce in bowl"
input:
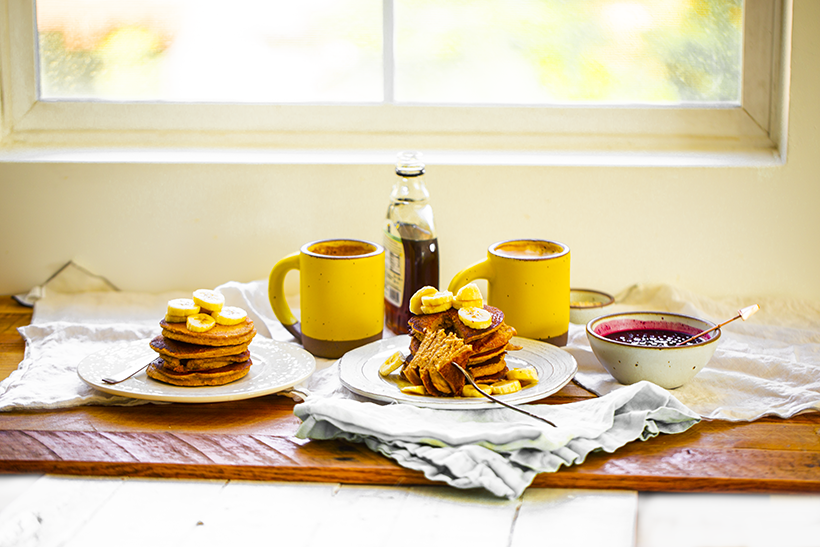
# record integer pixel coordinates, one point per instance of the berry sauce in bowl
(653, 338)
(638, 346)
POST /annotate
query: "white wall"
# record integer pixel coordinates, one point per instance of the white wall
(152, 227)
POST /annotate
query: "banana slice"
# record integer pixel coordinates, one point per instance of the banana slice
(475, 318)
(437, 299)
(468, 296)
(506, 386)
(470, 391)
(415, 300)
(229, 315)
(414, 390)
(175, 318)
(470, 291)
(201, 322)
(393, 362)
(209, 300)
(526, 375)
(182, 307)
(438, 309)
(458, 304)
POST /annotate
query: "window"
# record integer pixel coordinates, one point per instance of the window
(536, 77)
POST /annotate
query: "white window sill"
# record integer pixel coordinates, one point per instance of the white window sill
(260, 156)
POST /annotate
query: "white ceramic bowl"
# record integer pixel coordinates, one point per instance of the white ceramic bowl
(669, 367)
(587, 304)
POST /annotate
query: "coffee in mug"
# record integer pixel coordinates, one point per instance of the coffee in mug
(341, 290)
(527, 279)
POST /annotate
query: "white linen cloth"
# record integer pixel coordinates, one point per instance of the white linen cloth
(68, 325)
(769, 365)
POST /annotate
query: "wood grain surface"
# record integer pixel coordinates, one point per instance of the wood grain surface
(254, 440)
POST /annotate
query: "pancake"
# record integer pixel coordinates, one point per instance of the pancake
(501, 375)
(484, 346)
(433, 363)
(440, 339)
(187, 365)
(494, 340)
(488, 368)
(449, 321)
(478, 358)
(215, 377)
(183, 350)
(219, 335)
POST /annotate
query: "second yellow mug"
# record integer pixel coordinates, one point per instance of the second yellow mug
(341, 292)
(527, 279)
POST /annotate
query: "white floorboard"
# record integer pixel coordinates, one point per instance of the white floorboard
(72, 511)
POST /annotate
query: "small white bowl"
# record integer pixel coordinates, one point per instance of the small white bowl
(587, 304)
(669, 367)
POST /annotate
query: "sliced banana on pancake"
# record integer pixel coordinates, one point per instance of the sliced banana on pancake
(426, 310)
(439, 298)
(468, 296)
(415, 300)
(475, 318)
(229, 315)
(182, 307)
(458, 304)
(209, 300)
(200, 322)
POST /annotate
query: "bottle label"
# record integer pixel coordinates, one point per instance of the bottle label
(393, 269)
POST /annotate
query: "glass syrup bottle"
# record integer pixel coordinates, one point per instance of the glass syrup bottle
(410, 243)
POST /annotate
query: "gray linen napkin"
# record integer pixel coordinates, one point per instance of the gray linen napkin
(497, 449)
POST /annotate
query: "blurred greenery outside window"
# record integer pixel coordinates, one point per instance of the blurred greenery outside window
(482, 81)
(423, 52)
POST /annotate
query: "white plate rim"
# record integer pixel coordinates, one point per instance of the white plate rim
(358, 370)
(265, 353)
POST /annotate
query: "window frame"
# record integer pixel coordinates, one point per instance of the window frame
(754, 133)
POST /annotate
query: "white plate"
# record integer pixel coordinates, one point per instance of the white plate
(276, 366)
(359, 372)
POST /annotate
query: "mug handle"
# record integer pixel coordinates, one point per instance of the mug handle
(479, 270)
(276, 295)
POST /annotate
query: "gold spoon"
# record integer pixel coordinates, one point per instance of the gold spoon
(502, 403)
(744, 314)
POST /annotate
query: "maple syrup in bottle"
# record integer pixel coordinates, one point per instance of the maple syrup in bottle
(410, 243)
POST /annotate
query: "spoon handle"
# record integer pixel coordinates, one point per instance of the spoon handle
(744, 314)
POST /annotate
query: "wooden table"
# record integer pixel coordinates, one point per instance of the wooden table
(254, 439)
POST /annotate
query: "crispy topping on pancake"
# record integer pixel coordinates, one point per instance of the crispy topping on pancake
(441, 339)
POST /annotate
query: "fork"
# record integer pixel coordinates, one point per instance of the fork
(125, 374)
(502, 403)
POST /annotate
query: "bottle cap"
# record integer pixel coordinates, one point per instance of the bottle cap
(409, 164)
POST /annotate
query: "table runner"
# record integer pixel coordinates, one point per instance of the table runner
(769, 365)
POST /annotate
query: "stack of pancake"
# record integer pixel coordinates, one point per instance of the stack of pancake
(212, 358)
(441, 339)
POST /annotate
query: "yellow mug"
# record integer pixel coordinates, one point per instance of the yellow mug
(341, 290)
(527, 279)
